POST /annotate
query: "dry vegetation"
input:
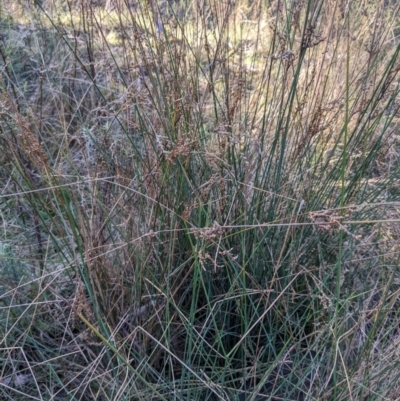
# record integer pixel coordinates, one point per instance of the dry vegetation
(199, 200)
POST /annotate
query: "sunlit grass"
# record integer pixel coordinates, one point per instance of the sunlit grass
(199, 199)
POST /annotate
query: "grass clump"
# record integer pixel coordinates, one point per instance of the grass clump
(199, 201)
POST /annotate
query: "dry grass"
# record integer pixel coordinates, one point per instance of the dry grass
(193, 194)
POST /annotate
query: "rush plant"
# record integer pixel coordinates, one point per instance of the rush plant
(199, 200)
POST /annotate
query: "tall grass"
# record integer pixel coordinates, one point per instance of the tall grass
(199, 200)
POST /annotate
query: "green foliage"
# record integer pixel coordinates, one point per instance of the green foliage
(199, 204)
